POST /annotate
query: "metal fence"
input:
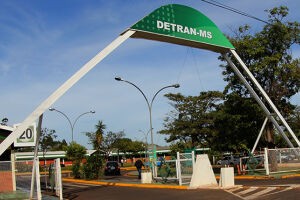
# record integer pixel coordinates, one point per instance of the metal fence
(251, 164)
(166, 170)
(185, 166)
(16, 176)
(23, 175)
(179, 170)
(282, 160)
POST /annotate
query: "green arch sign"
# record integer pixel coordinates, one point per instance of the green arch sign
(179, 24)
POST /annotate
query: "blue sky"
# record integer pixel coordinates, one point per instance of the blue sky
(44, 42)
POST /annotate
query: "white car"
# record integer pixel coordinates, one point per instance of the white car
(229, 160)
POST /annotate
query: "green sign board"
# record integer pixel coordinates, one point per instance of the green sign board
(152, 152)
(182, 25)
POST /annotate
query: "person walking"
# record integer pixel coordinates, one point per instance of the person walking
(122, 162)
(139, 164)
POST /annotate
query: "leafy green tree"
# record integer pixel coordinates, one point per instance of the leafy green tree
(59, 145)
(90, 167)
(237, 122)
(96, 139)
(97, 136)
(136, 146)
(123, 145)
(268, 56)
(4, 121)
(191, 121)
(103, 143)
(75, 152)
(179, 147)
(110, 141)
(294, 120)
(47, 140)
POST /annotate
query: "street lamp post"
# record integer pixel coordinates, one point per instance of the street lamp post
(146, 140)
(71, 125)
(148, 104)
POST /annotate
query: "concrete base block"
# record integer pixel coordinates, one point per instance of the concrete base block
(226, 177)
(146, 177)
(203, 175)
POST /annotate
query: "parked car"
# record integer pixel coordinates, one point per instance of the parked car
(229, 160)
(112, 168)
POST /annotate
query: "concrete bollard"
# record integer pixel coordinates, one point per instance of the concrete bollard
(146, 177)
(226, 177)
(203, 174)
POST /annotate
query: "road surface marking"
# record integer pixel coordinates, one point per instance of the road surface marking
(284, 190)
(234, 189)
(247, 191)
(260, 193)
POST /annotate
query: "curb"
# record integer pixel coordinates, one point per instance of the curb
(29, 173)
(128, 184)
(245, 177)
(164, 186)
(290, 176)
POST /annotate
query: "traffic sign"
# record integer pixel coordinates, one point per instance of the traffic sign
(27, 138)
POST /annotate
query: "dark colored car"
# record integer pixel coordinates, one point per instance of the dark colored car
(112, 168)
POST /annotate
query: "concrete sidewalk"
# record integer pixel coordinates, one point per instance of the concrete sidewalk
(137, 184)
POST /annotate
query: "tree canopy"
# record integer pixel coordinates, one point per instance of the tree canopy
(268, 56)
(75, 152)
(230, 121)
(191, 121)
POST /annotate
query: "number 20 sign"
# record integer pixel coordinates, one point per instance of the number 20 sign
(27, 138)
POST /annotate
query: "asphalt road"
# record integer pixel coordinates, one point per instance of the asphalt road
(262, 189)
(269, 182)
(91, 192)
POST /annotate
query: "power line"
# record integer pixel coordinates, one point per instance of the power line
(215, 3)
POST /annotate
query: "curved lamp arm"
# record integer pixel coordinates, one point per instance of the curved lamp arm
(53, 109)
(175, 86)
(72, 125)
(92, 112)
(120, 79)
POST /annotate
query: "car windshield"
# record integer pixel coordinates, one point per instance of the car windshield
(115, 164)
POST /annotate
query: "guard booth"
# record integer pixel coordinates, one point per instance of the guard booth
(6, 172)
(9, 168)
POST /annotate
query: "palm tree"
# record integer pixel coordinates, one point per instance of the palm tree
(96, 139)
(99, 134)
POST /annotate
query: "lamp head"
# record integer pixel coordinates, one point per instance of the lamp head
(51, 109)
(176, 86)
(117, 78)
(92, 111)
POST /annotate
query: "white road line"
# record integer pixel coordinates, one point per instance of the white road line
(234, 194)
(265, 192)
(234, 189)
(247, 191)
(260, 193)
(77, 186)
(286, 189)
